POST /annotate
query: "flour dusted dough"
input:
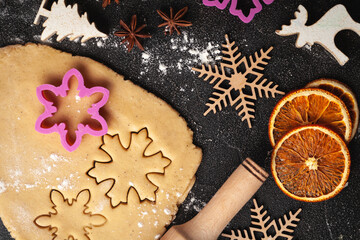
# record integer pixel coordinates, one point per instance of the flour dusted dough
(32, 164)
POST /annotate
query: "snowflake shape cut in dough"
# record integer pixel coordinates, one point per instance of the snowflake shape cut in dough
(70, 219)
(50, 122)
(129, 167)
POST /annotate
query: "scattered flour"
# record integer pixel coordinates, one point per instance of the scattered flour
(145, 56)
(67, 183)
(157, 236)
(64, 185)
(179, 66)
(2, 187)
(30, 185)
(14, 173)
(204, 55)
(100, 43)
(193, 50)
(194, 203)
(167, 211)
(57, 158)
(110, 42)
(162, 68)
(38, 39)
(22, 213)
(308, 47)
(140, 224)
(18, 185)
(101, 204)
(194, 53)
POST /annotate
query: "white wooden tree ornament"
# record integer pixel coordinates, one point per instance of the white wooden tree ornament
(323, 31)
(65, 22)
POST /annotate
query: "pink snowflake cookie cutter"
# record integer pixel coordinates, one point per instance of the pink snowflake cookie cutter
(237, 12)
(62, 91)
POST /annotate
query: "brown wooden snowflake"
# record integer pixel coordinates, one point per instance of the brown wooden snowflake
(238, 87)
(173, 22)
(261, 224)
(107, 2)
(132, 33)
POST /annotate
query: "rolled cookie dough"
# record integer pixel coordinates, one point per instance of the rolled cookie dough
(33, 164)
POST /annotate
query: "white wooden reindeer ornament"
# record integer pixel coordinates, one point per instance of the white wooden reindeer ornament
(66, 22)
(323, 31)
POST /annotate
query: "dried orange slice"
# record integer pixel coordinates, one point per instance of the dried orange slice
(311, 163)
(309, 106)
(344, 93)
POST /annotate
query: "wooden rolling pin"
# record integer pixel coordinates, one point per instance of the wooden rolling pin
(229, 199)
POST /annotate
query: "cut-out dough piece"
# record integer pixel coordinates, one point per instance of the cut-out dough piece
(70, 219)
(323, 31)
(123, 159)
(33, 163)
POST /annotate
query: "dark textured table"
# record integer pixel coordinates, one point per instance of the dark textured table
(165, 71)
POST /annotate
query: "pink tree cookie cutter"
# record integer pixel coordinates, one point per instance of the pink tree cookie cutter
(237, 12)
(62, 91)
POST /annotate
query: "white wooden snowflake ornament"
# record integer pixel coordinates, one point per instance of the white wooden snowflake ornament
(236, 87)
(65, 22)
(283, 228)
(323, 31)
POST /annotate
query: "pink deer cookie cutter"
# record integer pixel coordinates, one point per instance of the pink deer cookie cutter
(238, 12)
(62, 91)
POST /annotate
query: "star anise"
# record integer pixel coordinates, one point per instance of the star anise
(173, 21)
(107, 2)
(131, 34)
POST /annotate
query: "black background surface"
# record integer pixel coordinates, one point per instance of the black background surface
(224, 138)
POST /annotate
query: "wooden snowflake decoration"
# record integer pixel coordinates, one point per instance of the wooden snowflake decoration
(261, 224)
(238, 87)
